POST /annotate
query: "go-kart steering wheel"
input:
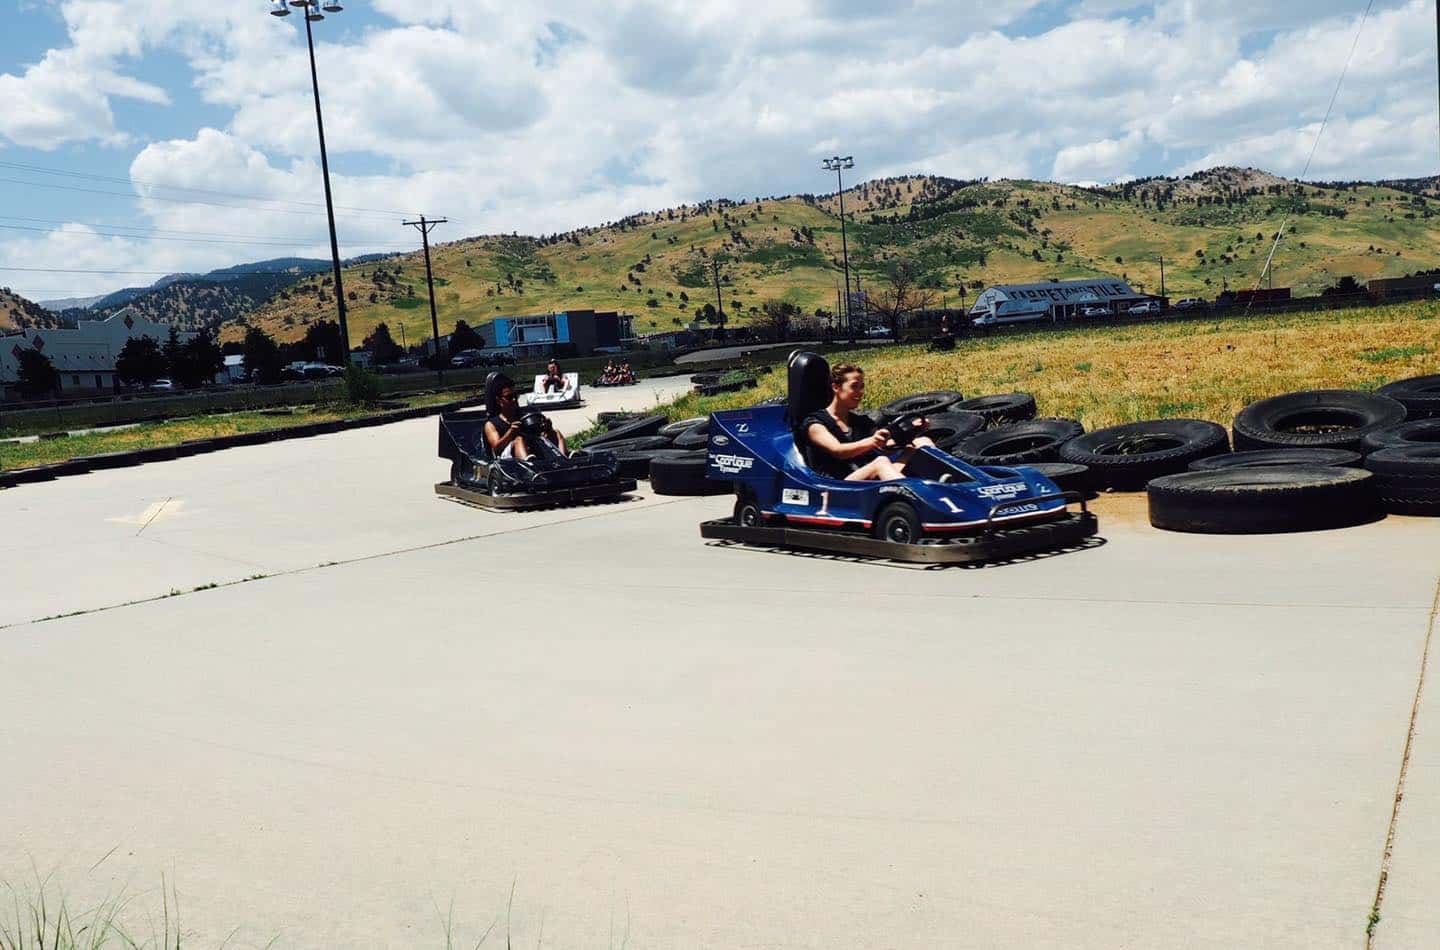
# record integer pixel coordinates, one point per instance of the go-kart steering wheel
(534, 423)
(906, 428)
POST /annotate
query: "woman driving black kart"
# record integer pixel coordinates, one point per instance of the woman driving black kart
(843, 444)
(503, 431)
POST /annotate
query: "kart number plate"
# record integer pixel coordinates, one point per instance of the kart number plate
(795, 496)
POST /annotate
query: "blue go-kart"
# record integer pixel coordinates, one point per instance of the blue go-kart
(943, 512)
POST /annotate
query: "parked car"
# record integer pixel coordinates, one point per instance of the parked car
(467, 358)
(1093, 312)
(161, 385)
(1144, 306)
(321, 371)
(878, 332)
(499, 358)
(1189, 303)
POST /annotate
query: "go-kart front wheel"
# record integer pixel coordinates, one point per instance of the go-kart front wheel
(747, 511)
(897, 522)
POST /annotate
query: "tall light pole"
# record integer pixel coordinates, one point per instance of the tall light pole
(425, 227)
(837, 165)
(313, 13)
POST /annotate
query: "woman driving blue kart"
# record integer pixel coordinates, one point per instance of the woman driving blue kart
(504, 431)
(841, 443)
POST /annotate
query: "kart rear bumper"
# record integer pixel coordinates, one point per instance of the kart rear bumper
(580, 494)
(995, 545)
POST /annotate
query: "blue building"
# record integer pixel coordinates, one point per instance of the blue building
(570, 333)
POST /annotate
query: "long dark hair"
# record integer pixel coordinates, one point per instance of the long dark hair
(493, 386)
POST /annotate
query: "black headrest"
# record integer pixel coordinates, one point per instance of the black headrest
(495, 382)
(809, 381)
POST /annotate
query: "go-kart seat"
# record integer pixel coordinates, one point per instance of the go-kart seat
(809, 391)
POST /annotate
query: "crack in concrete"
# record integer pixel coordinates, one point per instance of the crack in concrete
(153, 515)
(1373, 924)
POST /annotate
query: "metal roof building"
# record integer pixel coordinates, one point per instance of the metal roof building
(1058, 300)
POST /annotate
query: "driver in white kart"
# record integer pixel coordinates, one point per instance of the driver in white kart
(503, 431)
(843, 444)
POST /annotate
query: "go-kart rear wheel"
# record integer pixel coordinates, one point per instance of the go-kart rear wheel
(747, 511)
(897, 522)
(492, 482)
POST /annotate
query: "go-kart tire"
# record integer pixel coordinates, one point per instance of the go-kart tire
(1126, 457)
(1007, 407)
(772, 401)
(608, 416)
(674, 429)
(631, 429)
(1407, 478)
(897, 522)
(1269, 458)
(1414, 432)
(684, 474)
(1019, 443)
(747, 511)
(1263, 500)
(695, 437)
(1342, 417)
(1067, 476)
(1420, 395)
(949, 429)
(636, 463)
(920, 404)
(705, 379)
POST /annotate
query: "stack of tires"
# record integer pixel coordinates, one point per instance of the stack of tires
(670, 454)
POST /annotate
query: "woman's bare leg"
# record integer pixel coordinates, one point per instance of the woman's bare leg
(876, 470)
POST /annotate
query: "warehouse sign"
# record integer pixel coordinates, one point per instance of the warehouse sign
(1073, 290)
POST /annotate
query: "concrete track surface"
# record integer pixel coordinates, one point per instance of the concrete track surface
(1162, 741)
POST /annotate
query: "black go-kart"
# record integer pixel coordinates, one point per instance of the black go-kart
(548, 478)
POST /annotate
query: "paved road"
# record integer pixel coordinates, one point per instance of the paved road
(1162, 741)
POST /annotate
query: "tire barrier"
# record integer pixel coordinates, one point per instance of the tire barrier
(1407, 479)
(920, 404)
(949, 429)
(1414, 432)
(1263, 500)
(1318, 418)
(1019, 443)
(1067, 476)
(683, 473)
(1269, 458)
(1126, 457)
(1420, 395)
(1008, 407)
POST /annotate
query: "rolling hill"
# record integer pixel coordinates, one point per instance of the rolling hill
(1213, 231)
(17, 313)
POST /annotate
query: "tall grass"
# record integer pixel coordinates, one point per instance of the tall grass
(1103, 376)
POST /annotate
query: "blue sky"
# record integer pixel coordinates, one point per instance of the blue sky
(195, 122)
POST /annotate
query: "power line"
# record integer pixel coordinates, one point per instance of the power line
(183, 201)
(40, 169)
(67, 270)
(181, 240)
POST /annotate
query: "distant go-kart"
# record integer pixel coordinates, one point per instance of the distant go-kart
(547, 479)
(567, 397)
(944, 512)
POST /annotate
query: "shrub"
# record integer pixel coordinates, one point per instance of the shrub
(362, 387)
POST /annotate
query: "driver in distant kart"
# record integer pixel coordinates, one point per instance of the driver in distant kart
(554, 379)
(841, 443)
(503, 430)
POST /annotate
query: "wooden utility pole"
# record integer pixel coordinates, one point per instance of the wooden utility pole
(425, 227)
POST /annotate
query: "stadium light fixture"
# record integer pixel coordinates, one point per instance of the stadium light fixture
(837, 164)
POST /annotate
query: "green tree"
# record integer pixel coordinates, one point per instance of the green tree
(382, 346)
(262, 356)
(172, 352)
(465, 337)
(322, 343)
(200, 359)
(140, 361)
(37, 375)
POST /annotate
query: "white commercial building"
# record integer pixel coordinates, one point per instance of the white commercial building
(85, 356)
(1053, 300)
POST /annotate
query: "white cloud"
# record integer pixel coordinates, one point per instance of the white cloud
(542, 116)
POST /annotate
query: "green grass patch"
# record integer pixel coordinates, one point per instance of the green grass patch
(1392, 353)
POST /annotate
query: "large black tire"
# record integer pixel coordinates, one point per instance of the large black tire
(997, 410)
(1125, 457)
(646, 443)
(631, 429)
(695, 437)
(921, 404)
(608, 417)
(898, 522)
(1419, 395)
(672, 429)
(948, 429)
(636, 463)
(1019, 443)
(1263, 500)
(1414, 432)
(684, 474)
(1318, 418)
(1269, 458)
(1407, 479)
(1067, 476)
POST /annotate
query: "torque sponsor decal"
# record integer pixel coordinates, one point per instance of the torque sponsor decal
(995, 491)
(732, 464)
(795, 496)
